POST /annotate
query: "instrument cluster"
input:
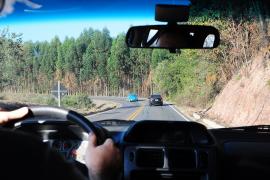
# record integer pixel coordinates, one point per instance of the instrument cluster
(67, 148)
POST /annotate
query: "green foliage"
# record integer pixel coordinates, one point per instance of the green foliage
(159, 55)
(238, 77)
(268, 83)
(184, 79)
(10, 55)
(27, 98)
(50, 101)
(94, 61)
(118, 62)
(77, 102)
(88, 65)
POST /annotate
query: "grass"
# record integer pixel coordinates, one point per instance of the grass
(81, 103)
(25, 98)
(268, 83)
(238, 77)
(77, 102)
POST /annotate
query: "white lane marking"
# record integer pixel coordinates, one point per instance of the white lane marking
(180, 114)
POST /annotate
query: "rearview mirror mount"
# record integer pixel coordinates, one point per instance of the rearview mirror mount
(172, 13)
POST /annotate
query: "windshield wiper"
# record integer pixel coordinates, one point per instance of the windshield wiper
(257, 129)
(114, 122)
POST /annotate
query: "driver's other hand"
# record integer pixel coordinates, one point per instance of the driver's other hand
(6, 116)
(104, 161)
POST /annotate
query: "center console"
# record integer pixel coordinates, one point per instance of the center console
(169, 150)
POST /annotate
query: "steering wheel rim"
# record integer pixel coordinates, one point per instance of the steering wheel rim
(56, 112)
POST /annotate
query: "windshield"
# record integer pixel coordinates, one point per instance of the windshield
(74, 55)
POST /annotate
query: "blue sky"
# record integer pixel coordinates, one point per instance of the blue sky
(69, 17)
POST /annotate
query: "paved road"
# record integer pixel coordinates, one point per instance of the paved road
(137, 111)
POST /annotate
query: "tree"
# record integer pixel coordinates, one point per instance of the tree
(88, 69)
(10, 55)
(54, 52)
(119, 65)
(82, 42)
(159, 55)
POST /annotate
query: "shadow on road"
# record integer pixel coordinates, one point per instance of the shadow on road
(141, 99)
(160, 105)
(168, 104)
(128, 107)
(111, 112)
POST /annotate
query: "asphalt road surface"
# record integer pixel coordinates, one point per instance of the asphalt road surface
(137, 111)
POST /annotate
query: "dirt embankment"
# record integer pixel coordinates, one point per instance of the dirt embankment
(245, 100)
(101, 106)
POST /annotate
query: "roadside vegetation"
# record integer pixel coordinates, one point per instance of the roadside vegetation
(97, 64)
(77, 102)
(81, 103)
(27, 98)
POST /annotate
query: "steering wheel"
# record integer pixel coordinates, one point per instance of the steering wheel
(55, 112)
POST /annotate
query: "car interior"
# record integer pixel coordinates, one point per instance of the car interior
(158, 149)
(162, 150)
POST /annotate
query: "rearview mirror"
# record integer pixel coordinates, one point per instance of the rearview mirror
(173, 37)
(2, 4)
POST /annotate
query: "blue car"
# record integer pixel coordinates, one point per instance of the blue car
(132, 97)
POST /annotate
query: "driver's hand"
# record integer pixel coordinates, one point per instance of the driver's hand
(104, 161)
(6, 116)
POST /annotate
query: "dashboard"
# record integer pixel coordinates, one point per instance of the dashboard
(70, 149)
(167, 150)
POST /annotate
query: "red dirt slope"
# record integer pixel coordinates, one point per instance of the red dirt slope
(245, 100)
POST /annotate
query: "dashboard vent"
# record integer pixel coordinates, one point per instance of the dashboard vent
(150, 158)
(203, 159)
(181, 158)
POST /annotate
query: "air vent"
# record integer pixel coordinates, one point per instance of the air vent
(203, 159)
(150, 158)
(182, 158)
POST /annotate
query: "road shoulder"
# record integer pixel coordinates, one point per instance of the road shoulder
(103, 106)
(186, 112)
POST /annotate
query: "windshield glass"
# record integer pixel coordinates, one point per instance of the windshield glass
(74, 55)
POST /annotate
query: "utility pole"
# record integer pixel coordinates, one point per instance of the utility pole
(58, 94)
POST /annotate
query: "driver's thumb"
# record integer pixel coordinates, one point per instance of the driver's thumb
(16, 114)
(92, 140)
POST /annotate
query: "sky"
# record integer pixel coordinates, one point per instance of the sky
(41, 20)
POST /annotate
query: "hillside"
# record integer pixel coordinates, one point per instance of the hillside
(245, 99)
